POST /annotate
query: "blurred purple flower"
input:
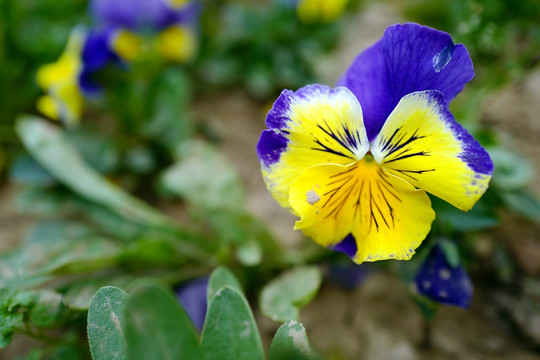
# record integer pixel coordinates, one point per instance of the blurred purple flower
(143, 15)
(440, 282)
(96, 54)
(348, 275)
(192, 296)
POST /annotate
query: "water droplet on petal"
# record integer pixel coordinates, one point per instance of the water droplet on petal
(442, 58)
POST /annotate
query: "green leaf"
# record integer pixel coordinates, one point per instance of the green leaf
(24, 170)
(13, 304)
(95, 148)
(450, 251)
(522, 203)
(156, 326)
(105, 319)
(291, 343)
(80, 294)
(48, 145)
(48, 309)
(249, 253)
(480, 217)
(511, 171)
(230, 332)
(42, 309)
(170, 100)
(282, 298)
(190, 178)
(220, 277)
(56, 247)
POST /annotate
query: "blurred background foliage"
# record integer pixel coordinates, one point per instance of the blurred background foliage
(94, 188)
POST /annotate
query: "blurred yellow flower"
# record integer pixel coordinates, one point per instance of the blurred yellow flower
(177, 43)
(63, 100)
(127, 45)
(320, 11)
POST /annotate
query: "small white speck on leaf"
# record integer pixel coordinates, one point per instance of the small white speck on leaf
(247, 330)
(312, 197)
(299, 339)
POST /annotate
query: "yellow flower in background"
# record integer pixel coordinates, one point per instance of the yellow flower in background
(127, 44)
(178, 3)
(63, 100)
(320, 11)
(177, 43)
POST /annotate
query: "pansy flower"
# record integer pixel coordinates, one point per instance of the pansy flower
(172, 23)
(355, 163)
(72, 77)
(439, 281)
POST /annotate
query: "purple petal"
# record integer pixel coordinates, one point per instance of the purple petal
(140, 14)
(347, 246)
(96, 54)
(192, 296)
(270, 146)
(97, 50)
(438, 281)
(349, 275)
(408, 58)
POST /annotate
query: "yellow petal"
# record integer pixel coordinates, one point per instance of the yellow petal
(423, 144)
(127, 45)
(387, 217)
(177, 43)
(312, 126)
(48, 106)
(324, 11)
(67, 67)
(177, 3)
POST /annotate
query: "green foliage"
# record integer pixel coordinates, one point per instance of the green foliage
(220, 199)
(230, 332)
(220, 277)
(28, 312)
(523, 203)
(189, 178)
(105, 319)
(450, 250)
(512, 171)
(156, 326)
(263, 49)
(480, 217)
(149, 323)
(50, 148)
(291, 343)
(55, 247)
(282, 298)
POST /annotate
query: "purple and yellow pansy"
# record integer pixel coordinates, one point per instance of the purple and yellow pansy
(123, 30)
(355, 162)
(169, 25)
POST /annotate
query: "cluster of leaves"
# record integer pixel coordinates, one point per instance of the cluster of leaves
(149, 323)
(93, 233)
(263, 49)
